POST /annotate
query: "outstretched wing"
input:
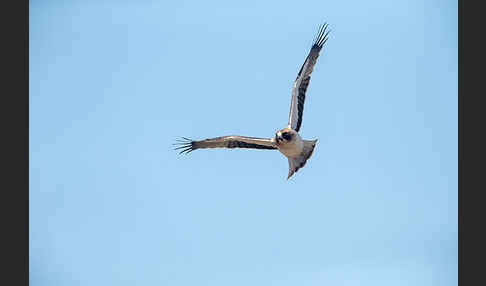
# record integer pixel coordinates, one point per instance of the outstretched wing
(188, 145)
(303, 79)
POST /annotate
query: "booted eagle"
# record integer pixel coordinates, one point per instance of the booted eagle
(286, 140)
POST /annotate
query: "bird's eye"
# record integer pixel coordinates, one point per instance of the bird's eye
(286, 135)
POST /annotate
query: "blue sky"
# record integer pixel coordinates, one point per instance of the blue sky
(114, 83)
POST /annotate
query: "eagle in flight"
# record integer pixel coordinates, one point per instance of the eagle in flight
(287, 140)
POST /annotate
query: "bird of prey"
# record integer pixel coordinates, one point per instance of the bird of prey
(286, 140)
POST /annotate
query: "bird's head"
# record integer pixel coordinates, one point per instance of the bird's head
(285, 135)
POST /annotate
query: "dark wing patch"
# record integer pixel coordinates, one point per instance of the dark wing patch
(300, 101)
(241, 144)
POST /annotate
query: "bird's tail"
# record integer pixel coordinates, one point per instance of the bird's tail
(296, 163)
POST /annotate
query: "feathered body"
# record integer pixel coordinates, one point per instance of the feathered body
(291, 145)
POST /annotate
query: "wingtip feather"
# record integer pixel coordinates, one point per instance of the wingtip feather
(322, 36)
(186, 144)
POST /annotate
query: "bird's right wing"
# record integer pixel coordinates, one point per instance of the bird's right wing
(303, 78)
(187, 145)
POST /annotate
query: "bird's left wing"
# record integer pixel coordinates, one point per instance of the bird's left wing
(187, 145)
(303, 79)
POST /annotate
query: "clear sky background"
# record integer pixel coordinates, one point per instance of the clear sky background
(114, 83)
